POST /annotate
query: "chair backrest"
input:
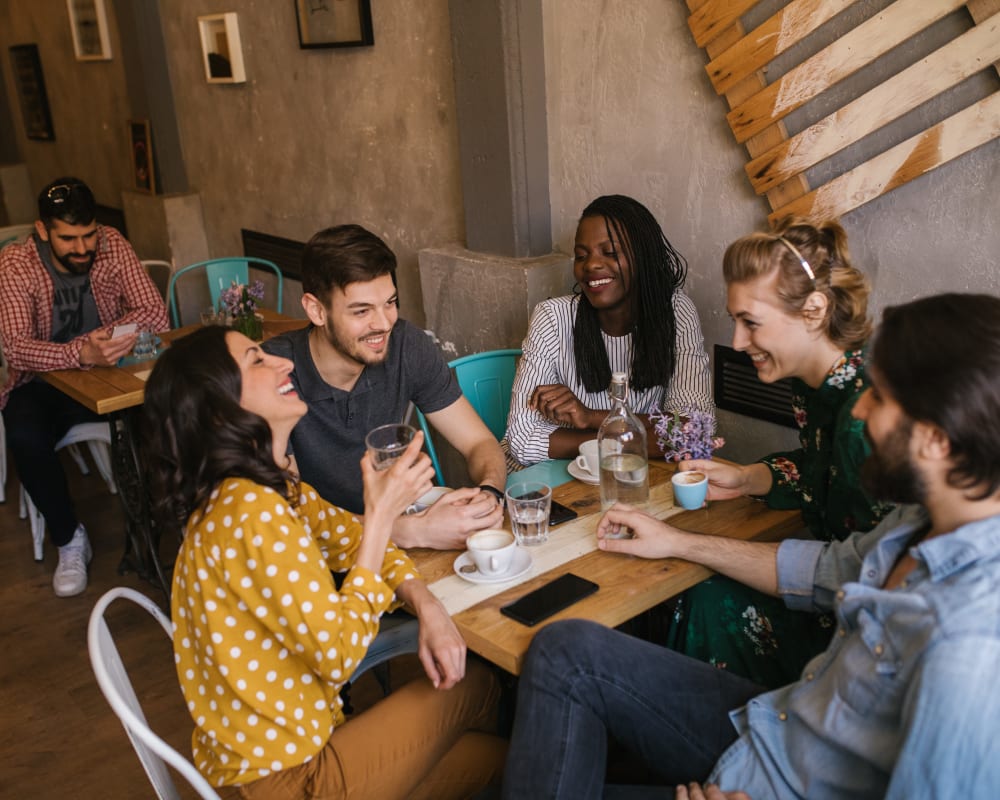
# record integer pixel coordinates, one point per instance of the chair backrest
(153, 752)
(14, 233)
(220, 274)
(486, 380)
(159, 272)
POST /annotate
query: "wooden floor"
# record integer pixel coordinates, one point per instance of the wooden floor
(58, 736)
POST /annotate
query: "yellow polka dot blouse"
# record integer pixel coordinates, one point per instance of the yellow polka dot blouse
(263, 640)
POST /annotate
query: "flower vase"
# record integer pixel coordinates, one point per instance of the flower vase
(249, 325)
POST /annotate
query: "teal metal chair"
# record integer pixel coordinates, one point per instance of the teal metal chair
(220, 273)
(486, 380)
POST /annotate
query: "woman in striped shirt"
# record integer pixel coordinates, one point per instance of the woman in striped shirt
(629, 314)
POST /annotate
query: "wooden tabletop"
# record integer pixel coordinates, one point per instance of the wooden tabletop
(107, 389)
(628, 585)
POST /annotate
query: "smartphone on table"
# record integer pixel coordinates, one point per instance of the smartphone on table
(549, 599)
(560, 513)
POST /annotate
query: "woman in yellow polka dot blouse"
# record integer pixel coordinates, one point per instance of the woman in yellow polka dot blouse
(263, 639)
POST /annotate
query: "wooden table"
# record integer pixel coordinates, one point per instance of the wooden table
(628, 585)
(118, 393)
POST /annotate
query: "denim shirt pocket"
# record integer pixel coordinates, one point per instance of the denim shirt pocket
(873, 687)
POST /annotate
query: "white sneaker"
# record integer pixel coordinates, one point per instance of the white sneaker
(71, 572)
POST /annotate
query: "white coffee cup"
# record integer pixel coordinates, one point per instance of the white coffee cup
(492, 550)
(589, 459)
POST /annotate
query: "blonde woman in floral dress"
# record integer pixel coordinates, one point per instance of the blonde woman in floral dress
(800, 311)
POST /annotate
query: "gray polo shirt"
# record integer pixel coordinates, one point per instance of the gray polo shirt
(330, 439)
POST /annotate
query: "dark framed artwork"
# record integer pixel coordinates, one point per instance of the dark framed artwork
(334, 23)
(141, 149)
(30, 83)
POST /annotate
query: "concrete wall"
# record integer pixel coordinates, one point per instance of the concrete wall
(631, 111)
(321, 137)
(87, 99)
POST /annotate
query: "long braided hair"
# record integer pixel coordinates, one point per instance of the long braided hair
(658, 270)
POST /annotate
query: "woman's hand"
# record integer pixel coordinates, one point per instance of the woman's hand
(725, 481)
(558, 404)
(389, 492)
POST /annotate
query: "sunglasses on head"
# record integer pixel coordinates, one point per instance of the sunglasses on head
(61, 192)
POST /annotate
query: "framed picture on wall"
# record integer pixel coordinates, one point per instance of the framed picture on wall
(221, 51)
(30, 83)
(141, 148)
(89, 24)
(334, 23)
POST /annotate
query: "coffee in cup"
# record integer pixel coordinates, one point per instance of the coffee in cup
(690, 488)
(492, 551)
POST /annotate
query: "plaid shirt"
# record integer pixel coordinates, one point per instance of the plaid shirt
(122, 290)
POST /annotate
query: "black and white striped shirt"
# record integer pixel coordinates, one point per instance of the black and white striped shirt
(548, 358)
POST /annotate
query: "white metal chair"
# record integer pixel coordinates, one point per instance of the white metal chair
(154, 753)
(159, 272)
(15, 233)
(97, 436)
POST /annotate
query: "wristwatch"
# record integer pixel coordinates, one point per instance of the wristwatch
(493, 490)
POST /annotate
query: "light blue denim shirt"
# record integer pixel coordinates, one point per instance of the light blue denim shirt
(905, 702)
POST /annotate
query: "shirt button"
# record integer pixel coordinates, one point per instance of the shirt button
(871, 573)
(879, 649)
(841, 632)
(841, 594)
(809, 676)
(782, 716)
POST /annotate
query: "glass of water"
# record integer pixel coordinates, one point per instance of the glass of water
(386, 443)
(529, 505)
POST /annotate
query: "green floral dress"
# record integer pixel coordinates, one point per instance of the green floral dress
(741, 630)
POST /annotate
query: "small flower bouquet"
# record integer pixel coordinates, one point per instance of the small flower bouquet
(686, 434)
(240, 301)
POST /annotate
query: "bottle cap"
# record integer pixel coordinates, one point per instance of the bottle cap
(619, 377)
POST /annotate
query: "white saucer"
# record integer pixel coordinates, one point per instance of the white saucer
(520, 564)
(581, 474)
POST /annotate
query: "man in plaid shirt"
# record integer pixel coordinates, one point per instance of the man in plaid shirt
(61, 293)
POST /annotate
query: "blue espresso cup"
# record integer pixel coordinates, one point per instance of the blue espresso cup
(690, 489)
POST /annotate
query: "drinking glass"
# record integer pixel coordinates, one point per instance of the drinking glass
(386, 443)
(529, 506)
(145, 345)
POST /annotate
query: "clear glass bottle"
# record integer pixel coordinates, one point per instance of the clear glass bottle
(622, 447)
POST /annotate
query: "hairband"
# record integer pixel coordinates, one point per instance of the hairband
(798, 255)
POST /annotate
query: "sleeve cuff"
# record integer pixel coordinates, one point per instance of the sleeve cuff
(797, 560)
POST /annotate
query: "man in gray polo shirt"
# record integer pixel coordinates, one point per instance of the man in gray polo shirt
(359, 366)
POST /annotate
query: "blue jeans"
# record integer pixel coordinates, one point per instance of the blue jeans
(36, 417)
(582, 682)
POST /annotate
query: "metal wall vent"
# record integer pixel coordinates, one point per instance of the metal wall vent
(738, 389)
(286, 253)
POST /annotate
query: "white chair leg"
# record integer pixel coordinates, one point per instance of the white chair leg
(101, 454)
(22, 508)
(74, 451)
(36, 522)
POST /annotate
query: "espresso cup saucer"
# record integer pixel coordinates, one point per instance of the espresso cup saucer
(581, 474)
(520, 564)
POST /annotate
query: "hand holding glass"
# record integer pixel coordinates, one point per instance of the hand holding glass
(386, 443)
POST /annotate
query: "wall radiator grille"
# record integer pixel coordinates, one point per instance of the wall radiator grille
(738, 389)
(286, 253)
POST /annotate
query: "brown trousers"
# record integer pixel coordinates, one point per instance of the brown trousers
(418, 742)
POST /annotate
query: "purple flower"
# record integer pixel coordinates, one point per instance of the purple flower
(241, 300)
(685, 434)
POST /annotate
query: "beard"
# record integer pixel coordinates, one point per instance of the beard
(888, 473)
(76, 267)
(352, 348)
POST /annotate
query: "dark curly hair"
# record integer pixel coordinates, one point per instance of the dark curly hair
(196, 434)
(658, 270)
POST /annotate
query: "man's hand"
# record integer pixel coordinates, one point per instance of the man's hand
(442, 649)
(557, 403)
(651, 537)
(448, 522)
(693, 791)
(100, 350)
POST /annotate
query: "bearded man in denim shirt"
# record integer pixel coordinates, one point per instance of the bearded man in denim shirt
(905, 701)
